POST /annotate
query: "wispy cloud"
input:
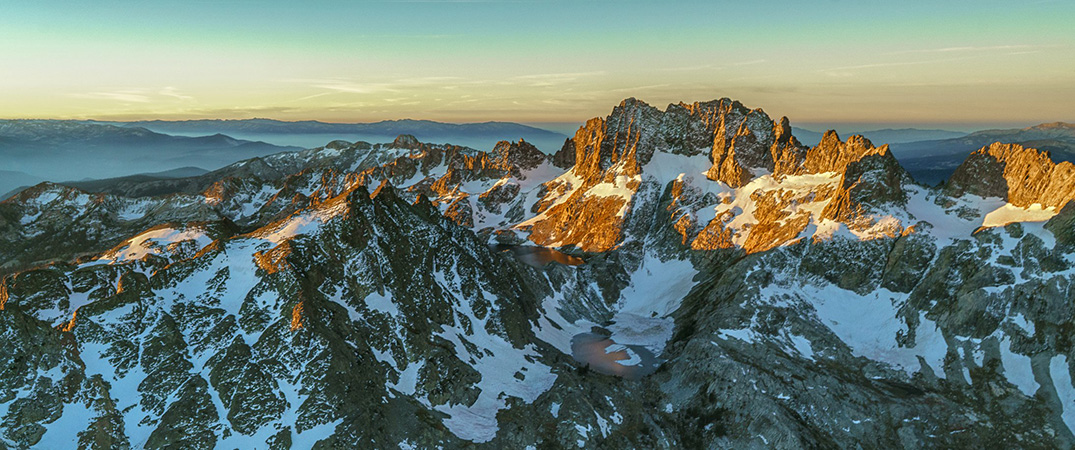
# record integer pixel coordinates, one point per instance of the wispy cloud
(126, 96)
(943, 55)
(136, 95)
(351, 87)
(170, 91)
(640, 88)
(554, 79)
(712, 66)
(347, 86)
(891, 64)
(209, 113)
(688, 68)
(961, 49)
(849, 71)
(747, 63)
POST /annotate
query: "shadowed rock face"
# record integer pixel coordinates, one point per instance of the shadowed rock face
(1062, 225)
(517, 156)
(565, 157)
(1022, 176)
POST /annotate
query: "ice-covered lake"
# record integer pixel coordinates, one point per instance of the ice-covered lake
(606, 356)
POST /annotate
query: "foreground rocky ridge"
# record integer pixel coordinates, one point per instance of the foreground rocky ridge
(798, 297)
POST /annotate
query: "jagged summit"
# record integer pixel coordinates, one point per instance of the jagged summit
(1022, 176)
(623, 161)
(834, 155)
(519, 156)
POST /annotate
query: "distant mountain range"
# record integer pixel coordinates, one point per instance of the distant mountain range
(10, 179)
(933, 161)
(71, 150)
(23, 181)
(32, 151)
(931, 156)
(37, 150)
(311, 133)
(883, 136)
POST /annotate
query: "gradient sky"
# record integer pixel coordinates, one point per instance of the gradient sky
(538, 61)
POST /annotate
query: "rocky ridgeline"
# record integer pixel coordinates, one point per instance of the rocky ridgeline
(54, 222)
(741, 145)
(347, 296)
(249, 339)
(50, 222)
(1022, 176)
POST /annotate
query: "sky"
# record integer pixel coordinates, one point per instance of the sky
(919, 63)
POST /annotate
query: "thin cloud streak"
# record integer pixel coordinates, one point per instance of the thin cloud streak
(136, 95)
(968, 49)
(846, 71)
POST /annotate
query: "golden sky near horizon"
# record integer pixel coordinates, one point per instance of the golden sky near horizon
(538, 61)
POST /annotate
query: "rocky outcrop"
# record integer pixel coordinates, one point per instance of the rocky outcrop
(736, 154)
(461, 212)
(499, 195)
(738, 140)
(831, 155)
(1022, 176)
(715, 235)
(1062, 225)
(613, 152)
(606, 151)
(51, 222)
(742, 145)
(868, 185)
(516, 157)
(614, 142)
(870, 180)
(775, 224)
(406, 141)
(565, 157)
(592, 223)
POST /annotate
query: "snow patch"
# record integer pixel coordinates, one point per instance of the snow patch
(156, 242)
(1017, 368)
(1010, 213)
(1061, 375)
(869, 325)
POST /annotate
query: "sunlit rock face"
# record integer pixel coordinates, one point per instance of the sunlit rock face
(715, 284)
(626, 162)
(1022, 176)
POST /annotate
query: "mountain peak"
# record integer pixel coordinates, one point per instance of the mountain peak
(406, 141)
(517, 156)
(340, 144)
(632, 102)
(1023, 176)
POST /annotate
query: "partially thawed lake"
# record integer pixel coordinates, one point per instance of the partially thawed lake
(538, 256)
(606, 356)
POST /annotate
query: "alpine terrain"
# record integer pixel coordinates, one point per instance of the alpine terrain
(692, 277)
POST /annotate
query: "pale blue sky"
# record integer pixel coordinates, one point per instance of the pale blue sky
(535, 61)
